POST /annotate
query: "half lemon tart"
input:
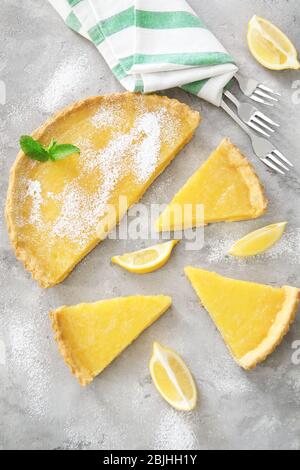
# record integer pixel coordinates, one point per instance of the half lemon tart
(57, 212)
(252, 318)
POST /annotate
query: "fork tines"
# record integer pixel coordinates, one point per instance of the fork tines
(262, 92)
(262, 123)
(257, 91)
(277, 162)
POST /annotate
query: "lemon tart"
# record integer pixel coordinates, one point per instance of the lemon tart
(252, 318)
(91, 336)
(57, 212)
(226, 186)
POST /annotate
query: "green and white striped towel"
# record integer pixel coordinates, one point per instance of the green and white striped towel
(153, 45)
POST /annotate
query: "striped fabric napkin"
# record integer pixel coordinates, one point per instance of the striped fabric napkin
(153, 45)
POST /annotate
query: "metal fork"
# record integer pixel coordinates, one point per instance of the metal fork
(256, 90)
(252, 116)
(263, 148)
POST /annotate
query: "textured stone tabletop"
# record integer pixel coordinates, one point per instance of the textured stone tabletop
(44, 67)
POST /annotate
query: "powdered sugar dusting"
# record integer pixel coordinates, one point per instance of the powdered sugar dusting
(143, 142)
(230, 381)
(148, 151)
(34, 190)
(175, 432)
(64, 83)
(27, 352)
(288, 246)
(135, 153)
(108, 115)
(74, 202)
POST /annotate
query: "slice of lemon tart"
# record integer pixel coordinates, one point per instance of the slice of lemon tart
(91, 336)
(227, 188)
(252, 318)
(58, 211)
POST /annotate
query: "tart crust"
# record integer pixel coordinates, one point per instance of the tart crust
(258, 199)
(213, 294)
(23, 253)
(84, 376)
(279, 329)
(231, 157)
(113, 335)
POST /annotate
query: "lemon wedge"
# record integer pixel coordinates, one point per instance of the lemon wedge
(147, 260)
(270, 46)
(172, 378)
(259, 241)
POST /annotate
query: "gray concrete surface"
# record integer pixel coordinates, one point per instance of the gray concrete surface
(45, 66)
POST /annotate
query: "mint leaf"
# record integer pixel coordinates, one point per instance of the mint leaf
(33, 149)
(36, 151)
(53, 143)
(59, 152)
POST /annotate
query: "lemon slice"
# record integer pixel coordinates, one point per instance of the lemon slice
(172, 378)
(147, 260)
(270, 46)
(259, 241)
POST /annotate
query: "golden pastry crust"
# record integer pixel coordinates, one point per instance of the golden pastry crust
(153, 307)
(279, 329)
(39, 271)
(83, 376)
(258, 199)
(282, 317)
(225, 157)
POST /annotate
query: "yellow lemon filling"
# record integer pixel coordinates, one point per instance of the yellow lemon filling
(91, 336)
(251, 317)
(226, 187)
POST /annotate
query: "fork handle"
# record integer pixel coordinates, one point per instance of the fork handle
(247, 85)
(237, 119)
(232, 98)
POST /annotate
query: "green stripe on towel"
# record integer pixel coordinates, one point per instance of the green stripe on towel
(194, 58)
(118, 22)
(112, 25)
(139, 86)
(119, 72)
(167, 20)
(72, 3)
(96, 35)
(195, 87)
(73, 22)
